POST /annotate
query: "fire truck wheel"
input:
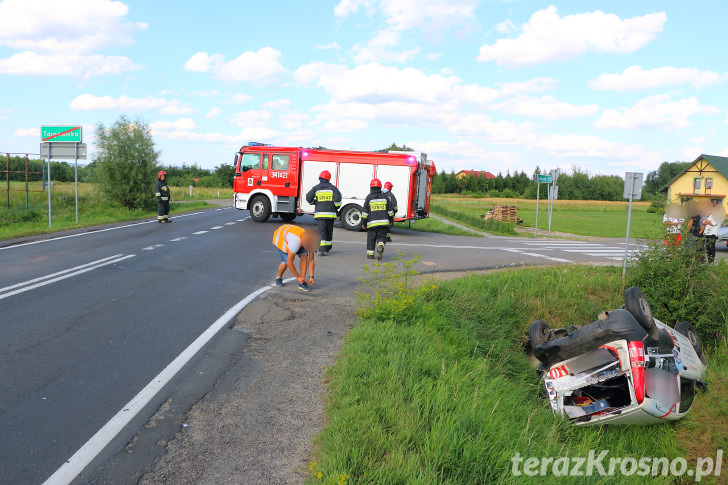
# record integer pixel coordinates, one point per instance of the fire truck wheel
(351, 217)
(260, 209)
(287, 216)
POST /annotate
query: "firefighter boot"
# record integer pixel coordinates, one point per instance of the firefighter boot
(380, 251)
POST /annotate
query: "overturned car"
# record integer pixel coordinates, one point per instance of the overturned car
(625, 368)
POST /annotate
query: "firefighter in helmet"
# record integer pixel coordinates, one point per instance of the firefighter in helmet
(327, 200)
(293, 241)
(387, 191)
(163, 198)
(377, 217)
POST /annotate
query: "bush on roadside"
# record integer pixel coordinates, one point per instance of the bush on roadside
(681, 286)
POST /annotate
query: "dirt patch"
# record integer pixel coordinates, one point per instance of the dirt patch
(262, 431)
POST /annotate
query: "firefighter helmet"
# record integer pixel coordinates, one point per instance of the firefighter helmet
(375, 183)
(325, 175)
(161, 172)
(388, 185)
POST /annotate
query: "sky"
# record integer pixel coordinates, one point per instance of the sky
(488, 85)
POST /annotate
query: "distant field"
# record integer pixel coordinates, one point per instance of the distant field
(582, 217)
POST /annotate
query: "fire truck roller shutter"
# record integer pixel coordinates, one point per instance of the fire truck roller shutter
(400, 178)
(310, 171)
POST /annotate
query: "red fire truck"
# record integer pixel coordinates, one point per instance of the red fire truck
(271, 180)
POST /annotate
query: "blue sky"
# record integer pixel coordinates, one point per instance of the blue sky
(493, 85)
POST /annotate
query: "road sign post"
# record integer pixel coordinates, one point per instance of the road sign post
(540, 179)
(632, 191)
(62, 142)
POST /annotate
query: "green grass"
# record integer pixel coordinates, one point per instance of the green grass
(94, 209)
(585, 218)
(435, 387)
(474, 221)
(433, 225)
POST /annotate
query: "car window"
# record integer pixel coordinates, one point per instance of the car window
(591, 361)
(279, 162)
(250, 161)
(687, 394)
(265, 162)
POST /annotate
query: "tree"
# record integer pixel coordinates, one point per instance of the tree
(126, 161)
(394, 148)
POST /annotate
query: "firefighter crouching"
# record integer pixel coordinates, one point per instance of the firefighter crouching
(377, 217)
(327, 200)
(163, 197)
(293, 241)
(387, 191)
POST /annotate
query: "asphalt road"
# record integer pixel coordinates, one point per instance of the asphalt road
(88, 319)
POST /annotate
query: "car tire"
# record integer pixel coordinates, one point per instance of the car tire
(351, 217)
(687, 329)
(635, 302)
(538, 333)
(260, 209)
(287, 216)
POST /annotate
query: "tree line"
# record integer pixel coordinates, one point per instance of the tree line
(577, 185)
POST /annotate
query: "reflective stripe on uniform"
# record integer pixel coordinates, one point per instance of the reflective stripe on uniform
(378, 223)
(325, 215)
(279, 236)
(165, 198)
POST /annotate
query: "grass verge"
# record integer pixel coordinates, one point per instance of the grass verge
(433, 225)
(433, 386)
(474, 221)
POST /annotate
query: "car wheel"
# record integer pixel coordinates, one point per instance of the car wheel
(538, 333)
(636, 303)
(351, 217)
(287, 216)
(260, 209)
(687, 329)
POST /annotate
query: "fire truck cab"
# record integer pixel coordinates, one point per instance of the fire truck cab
(271, 180)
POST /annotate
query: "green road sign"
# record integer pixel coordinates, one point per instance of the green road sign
(543, 178)
(61, 134)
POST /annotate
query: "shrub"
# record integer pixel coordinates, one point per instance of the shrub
(680, 286)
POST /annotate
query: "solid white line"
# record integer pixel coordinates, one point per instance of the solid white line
(536, 255)
(200, 232)
(75, 465)
(85, 270)
(91, 232)
(58, 273)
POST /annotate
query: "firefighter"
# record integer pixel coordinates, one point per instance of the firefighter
(293, 241)
(387, 191)
(377, 217)
(327, 199)
(163, 197)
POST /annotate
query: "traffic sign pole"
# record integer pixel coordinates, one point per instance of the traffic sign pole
(50, 210)
(538, 192)
(75, 170)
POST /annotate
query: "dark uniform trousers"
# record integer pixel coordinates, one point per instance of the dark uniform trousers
(326, 229)
(162, 210)
(376, 236)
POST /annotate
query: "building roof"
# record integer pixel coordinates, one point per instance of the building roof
(719, 163)
(477, 173)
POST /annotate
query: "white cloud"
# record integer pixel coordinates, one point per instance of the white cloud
(259, 67)
(89, 102)
(293, 121)
(655, 112)
(180, 124)
(330, 46)
(34, 64)
(278, 103)
(255, 133)
(249, 119)
(547, 37)
(343, 126)
(238, 98)
(213, 113)
(505, 26)
(544, 107)
(634, 78)
(698, 139)
(473, 93)
(204, 94)
(381, 48)
(202, 62)
(535, 85)
(76, 27)
(28, 132)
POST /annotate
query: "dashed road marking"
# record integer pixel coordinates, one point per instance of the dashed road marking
(230, 223)
(199, 232)
(181, 238)
(215, 227)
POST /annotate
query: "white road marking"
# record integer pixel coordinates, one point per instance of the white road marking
(148, 248)
(34, 280)
(91, 232)
(181, 238)
(75, 465)
(215, 227)
(59, 278)
(536, 255)
(230, 223)
(199, 232)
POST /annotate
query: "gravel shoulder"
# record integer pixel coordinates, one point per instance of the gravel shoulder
(258, 426)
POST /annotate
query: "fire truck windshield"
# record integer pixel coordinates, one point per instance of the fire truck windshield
(249, 161)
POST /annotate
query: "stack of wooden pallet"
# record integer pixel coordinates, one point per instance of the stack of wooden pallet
(503, 213)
